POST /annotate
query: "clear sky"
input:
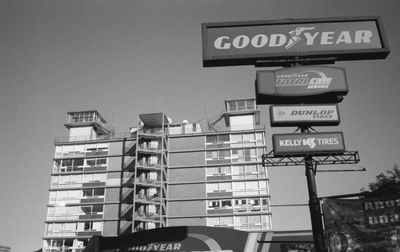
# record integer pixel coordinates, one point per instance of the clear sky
(128, 57)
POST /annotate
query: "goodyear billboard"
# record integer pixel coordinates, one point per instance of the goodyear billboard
(318, 143)
(183, 239)
(202, 238)
(311, 115)
(307, 84)
(246, 43)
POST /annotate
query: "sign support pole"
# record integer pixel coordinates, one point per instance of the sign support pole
(314, 204)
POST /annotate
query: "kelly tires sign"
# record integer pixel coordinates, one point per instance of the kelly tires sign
(309, 84)
(310, 115)
(245, 43)
(319, 143)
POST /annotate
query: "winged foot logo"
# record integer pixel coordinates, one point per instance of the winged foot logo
(295, 35)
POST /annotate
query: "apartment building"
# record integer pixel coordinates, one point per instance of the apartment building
(216, 177)
(159, 174)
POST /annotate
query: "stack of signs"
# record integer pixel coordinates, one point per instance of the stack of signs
(284, 42)
(320, 87)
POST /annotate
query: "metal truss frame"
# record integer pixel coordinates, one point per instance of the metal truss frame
(348, 157)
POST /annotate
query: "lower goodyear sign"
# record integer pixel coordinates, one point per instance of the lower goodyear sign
(306, 84)
(308, 143)
(312, 115)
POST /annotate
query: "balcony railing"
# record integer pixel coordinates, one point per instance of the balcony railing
(239, 128)
(149, 199)
(146, 216)
(91, 138)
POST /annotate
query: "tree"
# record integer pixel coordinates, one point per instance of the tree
(385, 184)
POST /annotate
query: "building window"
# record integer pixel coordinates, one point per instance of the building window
(218, 170)
(213, 221)
(255, 222)
(236, 140)
(214, 204)
(241, 105)
(262, 171)
(237, 156)
(81, 117)
(252, 204)
(241, 222)
(219, 187)
(211, 140)
(249, 139)
(239, 188)
(221, 156)
(95, 162)
(225, 170)
(226, 221)
(68, 165)
(224, 154)
(226, 203)
(68, 151)
(58, 152)
(259, 138)
(81, 150)
(223, 139)
(220, 221)
(93, 193)
(265, 204)
(232, 106)
(69, 229)
(238, 172)
(263, 185)
(266, 221)
(217, 141)
(252, 222)
(212, 171)
(234, 155)
(93, 226)
(250, 188)
(244, 155)
(250, 105)
(251, 171)
(97, 149)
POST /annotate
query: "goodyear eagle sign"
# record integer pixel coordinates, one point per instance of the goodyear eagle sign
(309, 84)
(246, 43)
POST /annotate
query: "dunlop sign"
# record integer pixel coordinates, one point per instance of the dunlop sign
(245, 43)
(308, 143)
(311, 84)
(312, 115)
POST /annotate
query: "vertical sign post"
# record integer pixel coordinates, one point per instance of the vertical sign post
(314, 204)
